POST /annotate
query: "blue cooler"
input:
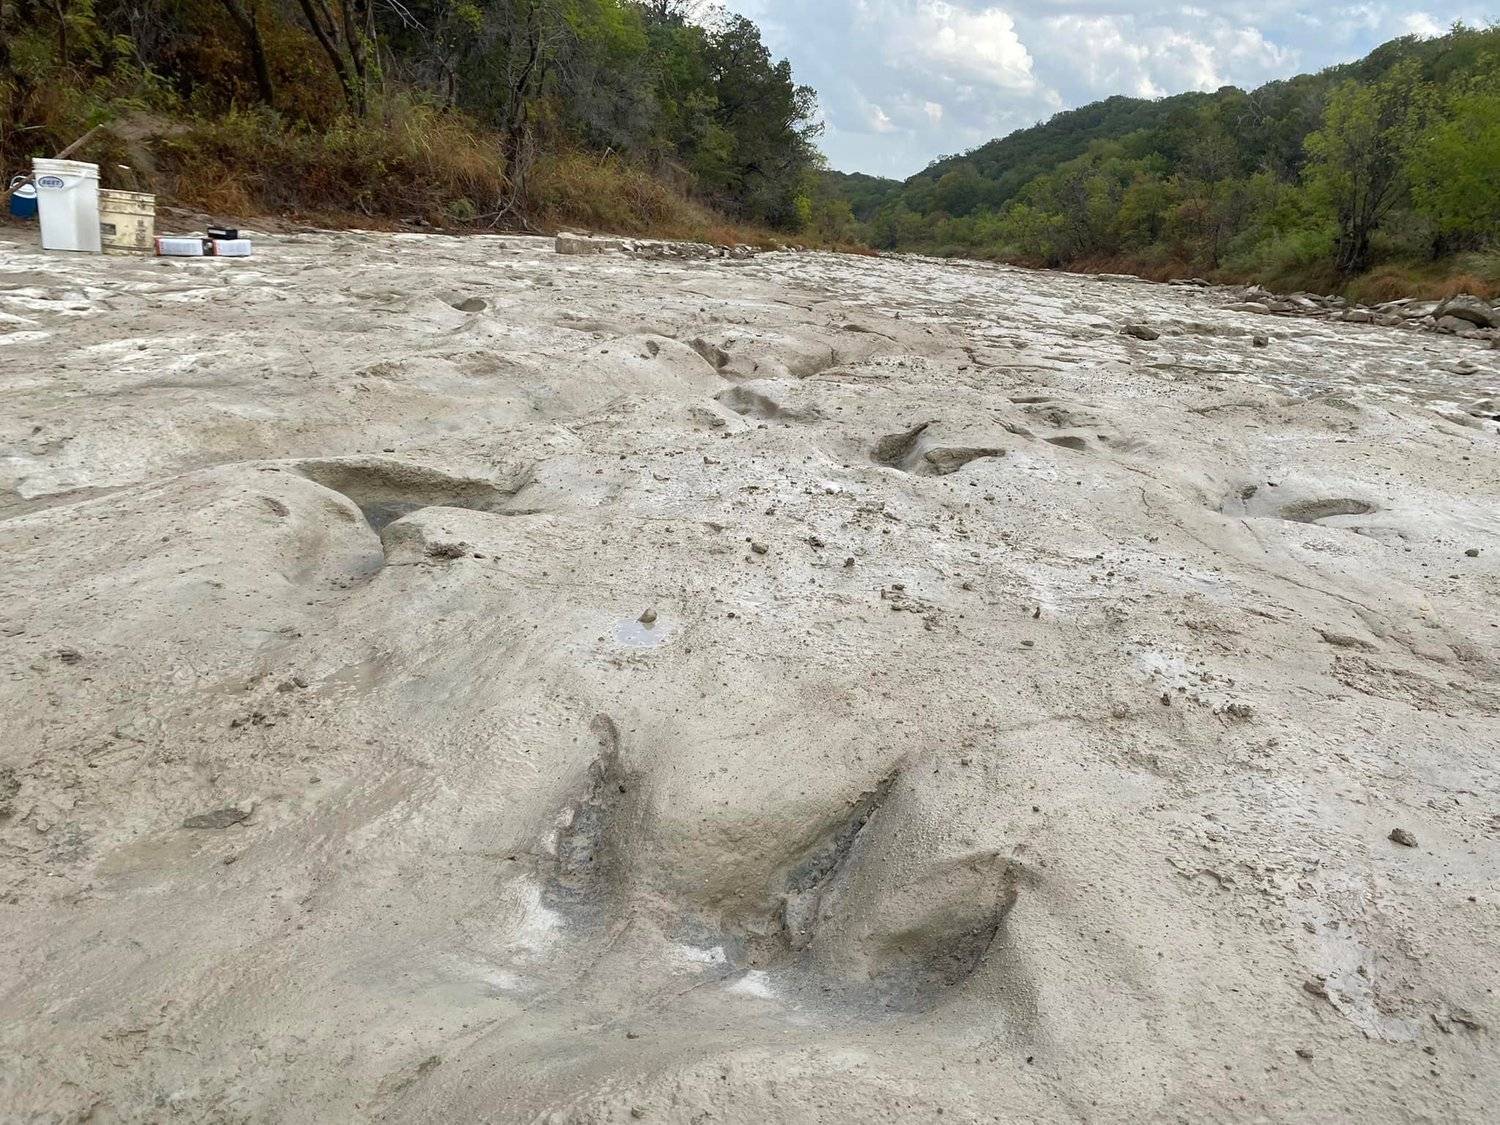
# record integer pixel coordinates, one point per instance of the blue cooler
(22, 198)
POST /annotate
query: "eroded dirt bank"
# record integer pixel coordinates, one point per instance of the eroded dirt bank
(448, 681)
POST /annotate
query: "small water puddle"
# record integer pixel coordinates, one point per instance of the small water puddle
(635, 633)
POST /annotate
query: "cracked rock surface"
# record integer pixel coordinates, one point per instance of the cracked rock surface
(1015, 732)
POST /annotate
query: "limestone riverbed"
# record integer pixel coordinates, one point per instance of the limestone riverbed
(447, 680)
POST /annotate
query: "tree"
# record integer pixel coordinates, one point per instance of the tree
(1360, 154)
(345, 29)
(246, 17)
(1454, 168)
(960, 191)
(675, 11)
(768, 117)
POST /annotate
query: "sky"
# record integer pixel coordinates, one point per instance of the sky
(901, 82)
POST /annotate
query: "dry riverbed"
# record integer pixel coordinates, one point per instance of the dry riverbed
(446, 680)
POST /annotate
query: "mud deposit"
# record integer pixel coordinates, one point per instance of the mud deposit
(446, 681)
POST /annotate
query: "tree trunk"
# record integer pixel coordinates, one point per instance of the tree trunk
(246, 17)
(326, 35)
(355, 45)
(1353, 253)
(61, 8)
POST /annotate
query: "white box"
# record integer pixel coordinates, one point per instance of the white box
(180, 247)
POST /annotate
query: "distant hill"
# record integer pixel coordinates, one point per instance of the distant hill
(1242, 182)
(865, 194)
(1009, 163)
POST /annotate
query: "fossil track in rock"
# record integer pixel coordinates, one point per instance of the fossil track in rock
(386, 490)
(917, 451)
(585, 873)
(752, 403)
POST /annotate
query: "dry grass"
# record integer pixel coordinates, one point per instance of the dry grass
(1152, 270)
(409, 161)
(1430, 282)
(607, 194)
(414, 161)
(584, 191)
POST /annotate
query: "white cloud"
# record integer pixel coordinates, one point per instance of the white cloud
(976, 47)
(1117, 55)
(879, 121)
(1420, 23)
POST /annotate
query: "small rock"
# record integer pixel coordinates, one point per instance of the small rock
(759, 548)
(10, 786)
(69, 655)
(648, 617)
(1316, 988)
(219, 818)
(1304, 1053)
(1341, 640)
(1141, 332)
(815, 541)
(1403, 837)
(1260, 341)
(1238, 711)
(1472, 552)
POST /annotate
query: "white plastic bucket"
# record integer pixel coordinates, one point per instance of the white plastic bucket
(67, 199)
(127, 221)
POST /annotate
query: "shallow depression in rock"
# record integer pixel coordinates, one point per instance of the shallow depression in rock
(634, 633)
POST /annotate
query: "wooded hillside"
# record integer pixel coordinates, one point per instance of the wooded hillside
(1392, 162)
(626, 114)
